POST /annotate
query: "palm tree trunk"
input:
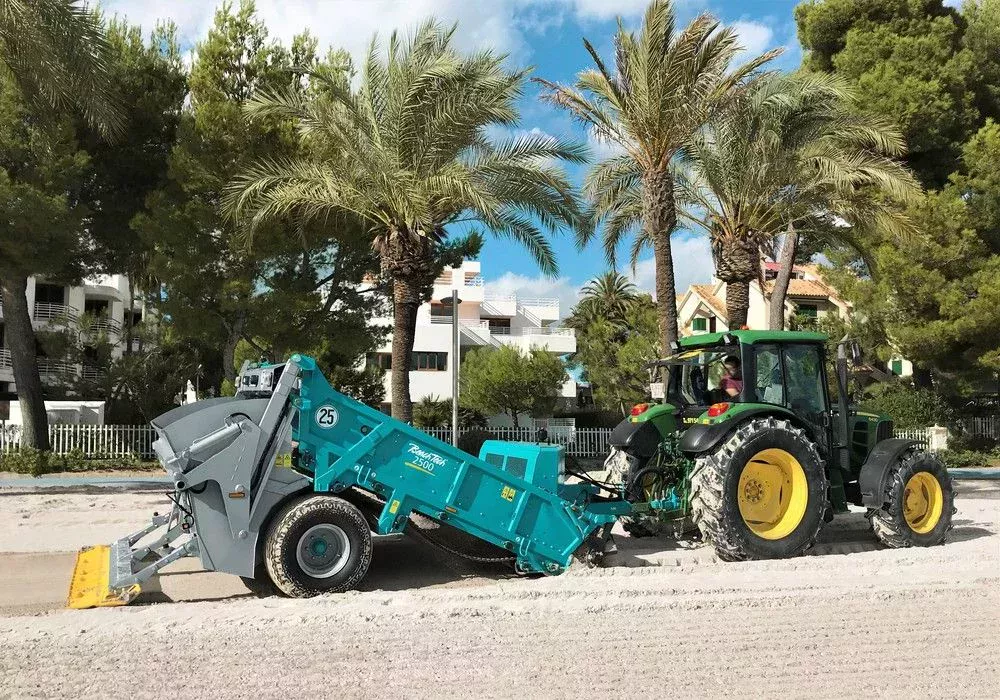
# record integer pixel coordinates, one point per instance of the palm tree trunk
(21, 339)
(737, 303)
(659, 217)
(776, 322)
(407, 295)
(737, 263)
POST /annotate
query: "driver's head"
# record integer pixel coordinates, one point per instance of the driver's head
(732, 365)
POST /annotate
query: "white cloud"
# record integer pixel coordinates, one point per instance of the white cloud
(534, 287)
(692, 265)
(754, 37)
(607, 9)
(602, 148)
(349, 24)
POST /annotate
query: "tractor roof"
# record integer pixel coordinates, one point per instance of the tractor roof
(751, 337)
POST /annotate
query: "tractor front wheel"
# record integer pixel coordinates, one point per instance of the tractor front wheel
(318, 544)
(918, 503)
(761, 494)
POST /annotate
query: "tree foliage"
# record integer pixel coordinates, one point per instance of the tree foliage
(909, 61)
(613, 349)
(409, 154)
(505, 380)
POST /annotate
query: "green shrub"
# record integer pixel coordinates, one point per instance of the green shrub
(472, 441)
(974, 443)
(907, 406)
(958, 459)
(26, 460)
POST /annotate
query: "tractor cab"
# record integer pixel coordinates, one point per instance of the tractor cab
(715, 376)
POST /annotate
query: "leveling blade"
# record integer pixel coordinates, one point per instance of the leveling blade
(90, 586)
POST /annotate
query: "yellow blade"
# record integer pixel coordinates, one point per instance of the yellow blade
(89, 587)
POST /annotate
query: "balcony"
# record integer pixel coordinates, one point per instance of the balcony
(54, 368)
(101, 324)
(54, 312)
(468, 284)
(91, 374)
(5, 362)
(557, 340)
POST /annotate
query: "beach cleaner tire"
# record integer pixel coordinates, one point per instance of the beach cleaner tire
(318, 544)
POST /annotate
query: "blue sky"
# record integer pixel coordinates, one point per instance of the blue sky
(545, 34)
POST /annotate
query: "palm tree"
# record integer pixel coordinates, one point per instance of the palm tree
(791, 156)
(56, 53)
(409, 153)
(611, 294)
(665, 85)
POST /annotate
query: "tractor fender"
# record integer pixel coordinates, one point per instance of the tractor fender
(700, 438)
(874, 476)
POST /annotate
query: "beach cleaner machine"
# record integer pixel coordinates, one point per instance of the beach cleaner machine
(285, 483)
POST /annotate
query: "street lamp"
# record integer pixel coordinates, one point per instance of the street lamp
(453, 301)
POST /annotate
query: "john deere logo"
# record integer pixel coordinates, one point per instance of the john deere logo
(326, 416)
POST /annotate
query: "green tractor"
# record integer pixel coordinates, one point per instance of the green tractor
(748, 447)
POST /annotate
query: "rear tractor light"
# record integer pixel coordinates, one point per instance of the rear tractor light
(639, 409)
(717, 409)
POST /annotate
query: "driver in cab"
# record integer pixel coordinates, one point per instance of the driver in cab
(732, 379)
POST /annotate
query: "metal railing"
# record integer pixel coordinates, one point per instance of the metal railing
(55, 367)
(548, 330)
(5, 361)
(91, 374)
(50, 312)
(107, 325)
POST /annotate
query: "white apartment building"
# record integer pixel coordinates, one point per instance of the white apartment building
(485, 320)
(103, 298)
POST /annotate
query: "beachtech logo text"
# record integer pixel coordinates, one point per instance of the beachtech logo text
(422, 460)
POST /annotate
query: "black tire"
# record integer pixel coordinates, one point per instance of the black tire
(890, 523)
(715, 487)
(299, 570)
(260, 585)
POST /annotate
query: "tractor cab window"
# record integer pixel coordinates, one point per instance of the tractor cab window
(804, 371)
(770, 383)
(696, 376)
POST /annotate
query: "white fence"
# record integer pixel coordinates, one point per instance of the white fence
(114, 441)
(94, 441)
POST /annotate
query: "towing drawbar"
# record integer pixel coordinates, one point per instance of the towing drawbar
(284, 484)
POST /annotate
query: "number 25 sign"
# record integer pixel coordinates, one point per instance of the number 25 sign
(326, 416)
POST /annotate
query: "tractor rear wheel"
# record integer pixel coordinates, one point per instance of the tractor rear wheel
(761, 494)
(918, 503)
(318, 544)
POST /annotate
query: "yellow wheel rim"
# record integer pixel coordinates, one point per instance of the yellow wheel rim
(773, 494)
(922, 502)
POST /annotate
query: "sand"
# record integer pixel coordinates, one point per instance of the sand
(663, 618)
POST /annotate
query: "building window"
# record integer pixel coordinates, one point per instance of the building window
(699, 324)
(808, 310)
(897, 367)
(49, 293)
(429, 361)
(419, 361)
(382, 360)
(499, 326)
